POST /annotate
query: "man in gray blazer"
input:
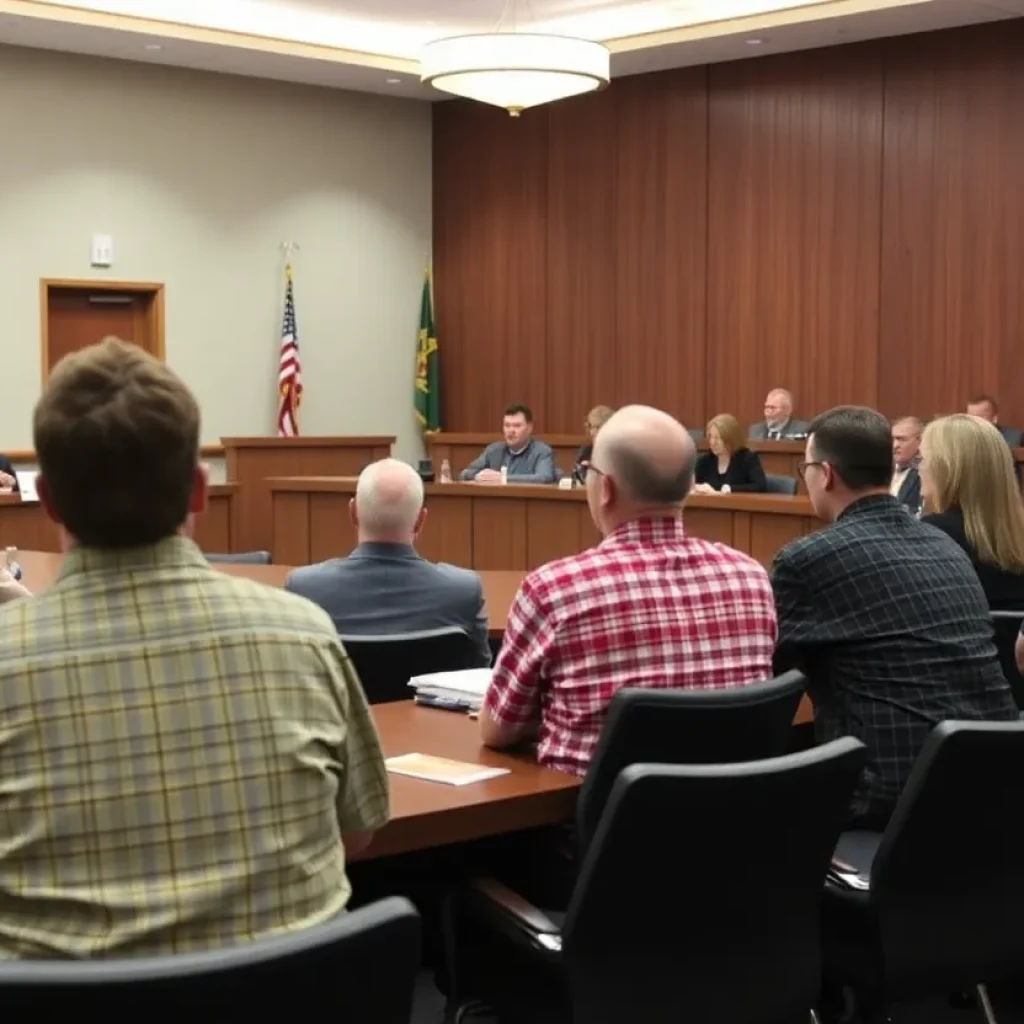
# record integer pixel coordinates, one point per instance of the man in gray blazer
(384, 587)
(778, 424)
(526, 460)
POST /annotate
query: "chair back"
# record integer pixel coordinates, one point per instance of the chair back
(779, 484)
(1007, 628)
(742, 723)
(385, 664)
(947, 881)
(699, 898)
(369, 956)
(242, 558)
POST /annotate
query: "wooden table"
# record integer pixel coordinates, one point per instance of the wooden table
(24, 524)
(515, 526)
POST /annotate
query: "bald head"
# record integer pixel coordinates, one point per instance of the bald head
(649, 454)
(389, 497)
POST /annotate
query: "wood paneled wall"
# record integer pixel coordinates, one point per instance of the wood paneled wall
(845, 222)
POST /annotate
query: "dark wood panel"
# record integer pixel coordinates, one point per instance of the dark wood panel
(953, 222)
(490, 272)
(581, 215)
(660, 242)
(847, 222)
(794, 192)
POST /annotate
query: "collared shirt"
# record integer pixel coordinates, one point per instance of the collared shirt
(181, 752)
(889, 621)
(649, 606)
(532, 464)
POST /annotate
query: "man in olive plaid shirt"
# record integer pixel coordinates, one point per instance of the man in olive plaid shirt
(187, 757)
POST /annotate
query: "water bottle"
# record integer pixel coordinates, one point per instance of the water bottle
(446, 471)
(504, 474)
(12, 563)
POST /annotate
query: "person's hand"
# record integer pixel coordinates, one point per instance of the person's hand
(7, 481)
(703, 489)
(489, 476)
(10, 588)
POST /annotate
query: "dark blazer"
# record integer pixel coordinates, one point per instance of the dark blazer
(910, 490)
(886, 616)
(788, 430)
(6, 467)
(1004, 590)
(382, 589)
(744, 472)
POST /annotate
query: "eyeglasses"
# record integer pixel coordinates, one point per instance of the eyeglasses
(591, 468)
(802, 467)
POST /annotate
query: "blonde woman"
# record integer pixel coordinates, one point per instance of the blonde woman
(970, 492)
(730, 465)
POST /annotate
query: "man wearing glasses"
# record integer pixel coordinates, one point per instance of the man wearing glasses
(649, 606)
(883, 613)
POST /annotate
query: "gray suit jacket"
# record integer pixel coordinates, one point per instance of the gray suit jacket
(535, 464)
(790, 429)
(381, 589)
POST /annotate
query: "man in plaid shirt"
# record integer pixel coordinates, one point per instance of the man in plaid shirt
(649, 606)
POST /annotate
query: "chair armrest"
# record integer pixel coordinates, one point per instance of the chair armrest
(510, 903)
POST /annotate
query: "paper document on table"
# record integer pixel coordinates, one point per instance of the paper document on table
(468, 685)
(442, 769)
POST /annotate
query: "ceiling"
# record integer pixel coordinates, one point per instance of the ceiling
(372, 45)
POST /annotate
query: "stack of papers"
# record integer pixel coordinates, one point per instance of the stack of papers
(442, 769)
(467, 686)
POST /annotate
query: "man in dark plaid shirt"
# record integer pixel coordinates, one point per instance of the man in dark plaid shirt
(885, 614)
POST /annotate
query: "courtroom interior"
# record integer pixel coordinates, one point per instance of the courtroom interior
(512, 512)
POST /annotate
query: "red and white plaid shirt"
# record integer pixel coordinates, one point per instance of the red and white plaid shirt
(649, 606)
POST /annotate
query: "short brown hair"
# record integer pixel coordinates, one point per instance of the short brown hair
(729, 431)
(117, 437)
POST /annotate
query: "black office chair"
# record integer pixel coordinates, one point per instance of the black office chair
(1007, 628)
(945, 900)
(385, 664)
(369, 955)
(242, 558)
(778, 484)
(742, 723)
(699, 900)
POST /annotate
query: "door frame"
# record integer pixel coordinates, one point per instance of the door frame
(152, 291)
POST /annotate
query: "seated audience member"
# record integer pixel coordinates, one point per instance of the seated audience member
(188, 757)
(730, 465)
(906, 453)
(649, 606)
(596, 419)
(884, 613)
(525, 459)
(778, 423)
(8, 478)
(384, 586)
(971, 494)
(986, 408)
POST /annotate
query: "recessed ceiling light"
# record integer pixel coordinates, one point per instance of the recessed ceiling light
(753, 42)
(393, 81)
(153, 46)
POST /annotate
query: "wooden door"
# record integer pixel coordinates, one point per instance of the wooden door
(80, 313)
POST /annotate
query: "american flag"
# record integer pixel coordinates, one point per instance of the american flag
(289, 374)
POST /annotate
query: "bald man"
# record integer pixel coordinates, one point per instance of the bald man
(649, 606)
(778, 423)
(384, 587)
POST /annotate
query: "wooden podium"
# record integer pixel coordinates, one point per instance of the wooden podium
(250, 460)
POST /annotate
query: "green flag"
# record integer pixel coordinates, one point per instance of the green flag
(426, 394)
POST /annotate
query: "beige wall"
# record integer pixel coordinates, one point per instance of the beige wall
(199, 177)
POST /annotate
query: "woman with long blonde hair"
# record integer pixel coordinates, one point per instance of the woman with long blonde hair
(970, 491)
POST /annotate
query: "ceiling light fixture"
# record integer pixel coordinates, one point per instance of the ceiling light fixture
(153, 46)
(753, 42)
(393, 81)
(515, 70)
